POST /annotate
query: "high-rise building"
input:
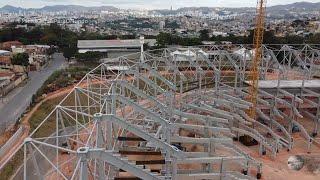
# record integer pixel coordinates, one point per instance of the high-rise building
(162, 25)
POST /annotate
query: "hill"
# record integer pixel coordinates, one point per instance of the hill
(58, 8)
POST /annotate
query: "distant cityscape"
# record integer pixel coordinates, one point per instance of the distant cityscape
(299, 19)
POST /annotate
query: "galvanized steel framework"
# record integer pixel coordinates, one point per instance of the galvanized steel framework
(189, 107)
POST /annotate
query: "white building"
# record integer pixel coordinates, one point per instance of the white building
(162, 25)
(113, 48)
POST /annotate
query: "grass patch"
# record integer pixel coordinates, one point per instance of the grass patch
(61, 79)
(47, 129)
(12, 165)
(43, 111)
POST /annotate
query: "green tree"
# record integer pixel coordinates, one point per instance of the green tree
(69, 52)
(89, 56)
(314, 39)
(293, 39)
(172, 24)
(204, 35)
(21, 59)
(50, 38)
(51, 51)
(164, 39)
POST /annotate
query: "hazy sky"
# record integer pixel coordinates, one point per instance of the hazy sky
(146, 4)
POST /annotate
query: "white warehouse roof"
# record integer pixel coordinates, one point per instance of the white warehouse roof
(4, 52)
(132, 43)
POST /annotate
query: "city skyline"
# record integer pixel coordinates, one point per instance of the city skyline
(142, 4)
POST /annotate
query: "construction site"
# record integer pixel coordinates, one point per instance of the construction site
(207, 112)
(181, 113)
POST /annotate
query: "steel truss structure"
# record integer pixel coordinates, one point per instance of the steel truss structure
(180, 112)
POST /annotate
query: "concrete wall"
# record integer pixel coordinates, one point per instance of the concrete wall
(20, 80)
(6, 147)
(18, 69)
(4, 91)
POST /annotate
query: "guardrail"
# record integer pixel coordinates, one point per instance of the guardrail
(9, 144)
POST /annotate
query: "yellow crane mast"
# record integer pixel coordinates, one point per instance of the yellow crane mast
(257, 40)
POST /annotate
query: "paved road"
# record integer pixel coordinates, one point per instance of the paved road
(14, 108)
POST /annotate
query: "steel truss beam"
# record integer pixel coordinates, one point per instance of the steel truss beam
(162, 98)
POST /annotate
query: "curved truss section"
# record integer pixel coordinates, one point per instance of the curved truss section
(175, 115)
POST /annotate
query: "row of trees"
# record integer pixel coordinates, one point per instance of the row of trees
(92, 56)
(165, 39)
(270, 38)
(65, 39)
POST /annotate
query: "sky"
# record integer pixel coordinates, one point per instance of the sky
(145, 4)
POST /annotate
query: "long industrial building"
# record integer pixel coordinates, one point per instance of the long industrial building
(113, 48)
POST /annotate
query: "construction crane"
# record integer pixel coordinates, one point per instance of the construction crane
(257, 40)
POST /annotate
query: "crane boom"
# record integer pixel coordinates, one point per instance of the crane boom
(257, 40)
